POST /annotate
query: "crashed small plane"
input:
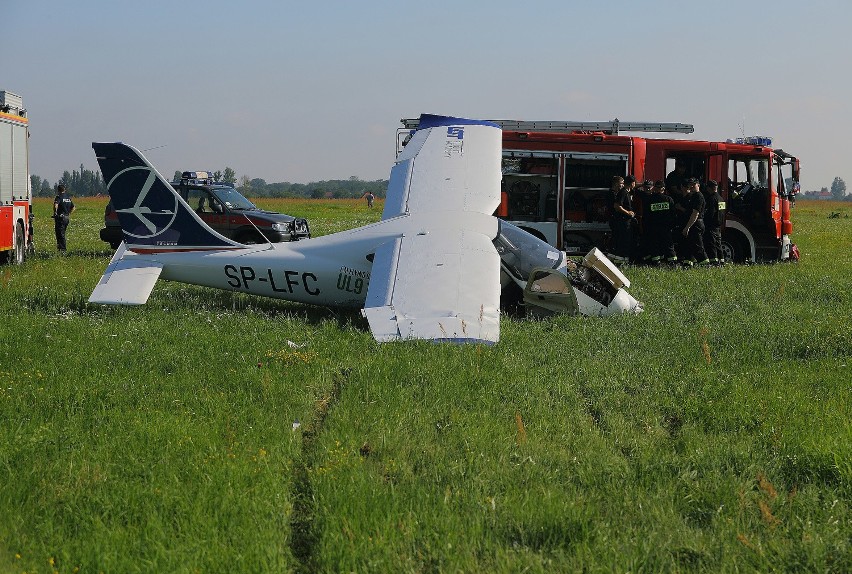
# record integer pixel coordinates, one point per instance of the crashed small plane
(432, 268)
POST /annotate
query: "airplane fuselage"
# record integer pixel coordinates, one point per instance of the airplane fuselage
(330, 270)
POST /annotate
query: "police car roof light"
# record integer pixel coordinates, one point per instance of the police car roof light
(197, 177)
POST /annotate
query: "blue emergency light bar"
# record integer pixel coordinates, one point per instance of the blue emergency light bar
(754, 140)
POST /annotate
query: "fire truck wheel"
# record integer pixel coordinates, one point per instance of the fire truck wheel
(732, 249)
(20, 244)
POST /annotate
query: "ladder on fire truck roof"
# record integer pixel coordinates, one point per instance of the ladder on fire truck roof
(610, 127)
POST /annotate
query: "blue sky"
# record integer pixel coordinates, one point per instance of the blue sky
(303, 91)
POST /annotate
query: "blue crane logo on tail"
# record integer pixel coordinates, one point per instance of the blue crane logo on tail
(153, 213)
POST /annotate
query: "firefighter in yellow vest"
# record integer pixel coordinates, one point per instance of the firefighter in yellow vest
(658, 221)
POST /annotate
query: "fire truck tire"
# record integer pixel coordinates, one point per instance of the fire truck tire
(20, 245)
(733, 248)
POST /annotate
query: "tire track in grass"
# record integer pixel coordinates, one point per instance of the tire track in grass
(304, 530)
(591, 407)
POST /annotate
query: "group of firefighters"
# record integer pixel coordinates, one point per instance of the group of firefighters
(677, 221)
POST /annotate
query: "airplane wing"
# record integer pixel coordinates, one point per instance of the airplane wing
(126, 282)
(441, 281)
(449, 164)
(442, 285)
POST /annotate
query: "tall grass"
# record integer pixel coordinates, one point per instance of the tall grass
(211, 431)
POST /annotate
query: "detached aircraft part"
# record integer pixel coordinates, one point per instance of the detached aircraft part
(595, 287)
(430, 269)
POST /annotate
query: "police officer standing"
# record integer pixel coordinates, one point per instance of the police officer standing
(63, 207)
(693, 230)
(714, 217)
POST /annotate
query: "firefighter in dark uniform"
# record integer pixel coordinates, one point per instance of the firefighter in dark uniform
(677, 177)
(714, 217)
(63, 207)
(620, 220)
(657, 226)
(693, 230)
(681, 215)
(641, 195)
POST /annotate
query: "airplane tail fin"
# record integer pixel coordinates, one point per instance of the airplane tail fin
(153, 217)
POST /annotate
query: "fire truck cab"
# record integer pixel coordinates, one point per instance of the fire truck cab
(15, 203)
(757, 183)
(556, 177)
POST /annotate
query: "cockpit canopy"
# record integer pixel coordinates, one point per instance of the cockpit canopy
(522, 252)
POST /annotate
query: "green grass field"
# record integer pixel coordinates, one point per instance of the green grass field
(711, 433)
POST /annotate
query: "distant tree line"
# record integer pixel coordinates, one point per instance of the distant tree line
(90, 183)
(837, 192)
(79, 183)
(333, 188)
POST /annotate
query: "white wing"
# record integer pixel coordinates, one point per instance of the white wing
(442, 285)
(441, 280)
(447, 166)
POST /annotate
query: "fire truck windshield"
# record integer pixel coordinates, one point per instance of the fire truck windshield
(749, 173)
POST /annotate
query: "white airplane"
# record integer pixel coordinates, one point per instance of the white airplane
(432, 268)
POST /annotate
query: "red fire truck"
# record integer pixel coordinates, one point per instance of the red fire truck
(15, 224)
(556, 175)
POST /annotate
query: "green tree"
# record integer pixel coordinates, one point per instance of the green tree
(838, 188)
(258, 187)
(229, 176)
(35, 184)
(245, 186)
